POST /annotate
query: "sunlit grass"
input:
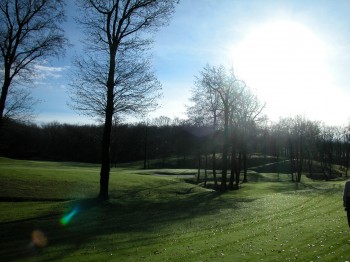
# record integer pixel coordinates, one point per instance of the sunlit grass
(162, 218)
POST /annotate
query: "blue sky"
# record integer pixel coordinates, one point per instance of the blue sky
(293, 54)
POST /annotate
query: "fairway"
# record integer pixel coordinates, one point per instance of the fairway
(49, 213)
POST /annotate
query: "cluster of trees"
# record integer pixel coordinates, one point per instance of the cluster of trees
(223, 102)
(309, 146)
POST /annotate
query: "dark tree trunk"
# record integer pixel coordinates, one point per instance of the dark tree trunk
(238, 170)
(199, 168)
(300, 159)
(233, 167)
(225, 150)
(4, 92)
(245, 179)
(206, 169)
(214, 154)
(106, 139)
(105, 167)
(214, 171)
(324, 169)
(291, 159)
(300, 163)
(145, 149)
(310, 165)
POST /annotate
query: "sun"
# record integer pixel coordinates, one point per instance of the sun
(286, 63)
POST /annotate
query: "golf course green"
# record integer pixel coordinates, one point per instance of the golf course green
(49, 212)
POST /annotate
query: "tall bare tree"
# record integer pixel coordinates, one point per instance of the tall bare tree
(228, 89)
(205, 111)
(244, 117)
(117, 33)
(30, 31)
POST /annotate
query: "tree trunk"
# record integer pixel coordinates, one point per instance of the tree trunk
(214, 171)
(224, 151)
(105, 168)
(4, 92)
(106, 139)
(238, 170)
(233, 167)
(145, 148)
(214, 154)
(206, 169)
(199, 168)
(310, 165)
(245, 179)
(300, 159)
(291, 159)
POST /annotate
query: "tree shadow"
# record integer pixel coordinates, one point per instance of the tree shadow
(132, 213)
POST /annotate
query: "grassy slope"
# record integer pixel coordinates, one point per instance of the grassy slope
(152, 218)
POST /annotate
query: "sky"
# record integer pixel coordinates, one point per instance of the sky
(293, 54)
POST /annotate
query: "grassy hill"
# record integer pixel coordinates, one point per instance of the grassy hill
(48, 213)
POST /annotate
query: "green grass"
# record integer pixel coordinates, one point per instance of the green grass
(162, 218)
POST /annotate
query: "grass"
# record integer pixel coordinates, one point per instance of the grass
(162, 218)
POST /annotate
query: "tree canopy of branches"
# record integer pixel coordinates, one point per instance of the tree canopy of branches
(115, 78)
(223, 101)
(30, 31)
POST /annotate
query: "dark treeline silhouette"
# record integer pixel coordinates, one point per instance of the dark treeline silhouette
(310, 147)
(82, 143)
(296, 145)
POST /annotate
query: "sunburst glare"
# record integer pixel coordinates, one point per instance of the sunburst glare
(286, 63)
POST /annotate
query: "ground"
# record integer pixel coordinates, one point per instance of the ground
(49, 213)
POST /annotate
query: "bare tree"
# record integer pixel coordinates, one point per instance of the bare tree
(205, 111)
(117, 32)
(228, 89)
(244, 117)
(30, 31)
(20, 105)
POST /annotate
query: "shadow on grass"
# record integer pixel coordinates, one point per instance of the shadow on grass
(127, 220)
(32, 199)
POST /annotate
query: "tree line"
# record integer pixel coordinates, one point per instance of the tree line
(306, 147)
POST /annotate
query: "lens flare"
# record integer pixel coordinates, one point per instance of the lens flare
(39, 239)
(67, 218)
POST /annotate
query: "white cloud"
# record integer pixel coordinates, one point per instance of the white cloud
(63, 117)
(44, 72)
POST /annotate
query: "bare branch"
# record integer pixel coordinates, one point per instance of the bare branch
(30, 31)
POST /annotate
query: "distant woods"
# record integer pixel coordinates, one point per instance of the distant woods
(305, 147)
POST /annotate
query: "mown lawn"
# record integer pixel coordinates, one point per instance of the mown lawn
(162, 218)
